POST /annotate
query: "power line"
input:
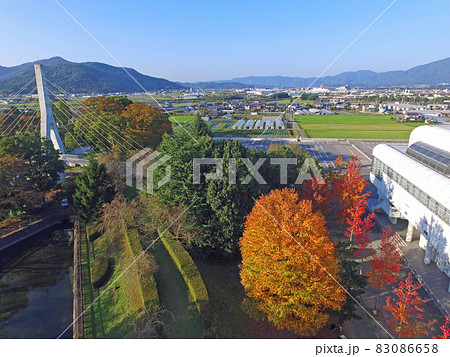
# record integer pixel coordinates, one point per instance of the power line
(29, 121)
(92, 124)
(103, 120)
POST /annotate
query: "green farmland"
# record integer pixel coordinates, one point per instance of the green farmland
(354, 127)
(181, 118)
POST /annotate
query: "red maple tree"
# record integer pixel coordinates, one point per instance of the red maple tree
(445, 328)
(358, 229)
(385, 265)
(349, 185)
(386, 262)
(406, 310)
(321, 194)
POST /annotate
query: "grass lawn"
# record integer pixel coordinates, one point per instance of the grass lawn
(181, 320)
(364, 126)
(114, 314)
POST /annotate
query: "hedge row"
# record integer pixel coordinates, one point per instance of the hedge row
(102, 269)
(189, 271)
(148, 285)
(93, 232)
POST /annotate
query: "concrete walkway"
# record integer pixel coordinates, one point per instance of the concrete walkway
(31, 229)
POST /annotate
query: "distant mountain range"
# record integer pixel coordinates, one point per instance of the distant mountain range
(432, 74)
(216, 85)
(96, 78)
(87, 77)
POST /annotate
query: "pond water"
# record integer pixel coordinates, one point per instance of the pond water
(35, 286)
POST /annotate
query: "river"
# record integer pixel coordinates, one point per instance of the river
(35, 287)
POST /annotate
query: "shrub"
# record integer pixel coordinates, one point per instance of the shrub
(93, 232)
(144, 272)
(102, 270)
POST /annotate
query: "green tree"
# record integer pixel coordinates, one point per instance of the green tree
(90, 192)
(198, 127)
(350, 279)
(16, 191)
(287, 152)
(221, 204)
(39, 154)
(122, 100)
(230, 202)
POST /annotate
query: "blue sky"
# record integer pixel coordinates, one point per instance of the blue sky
(206, 40)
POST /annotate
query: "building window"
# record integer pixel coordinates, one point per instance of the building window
(379, 168)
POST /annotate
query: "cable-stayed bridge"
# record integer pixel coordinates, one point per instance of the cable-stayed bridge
(33, 112)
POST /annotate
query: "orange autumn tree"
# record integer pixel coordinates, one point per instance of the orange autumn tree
(320, 193)
(349, 185)
(385, 265)
(287, 260)
(146, 124)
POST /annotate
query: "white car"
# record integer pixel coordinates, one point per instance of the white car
(64, 202)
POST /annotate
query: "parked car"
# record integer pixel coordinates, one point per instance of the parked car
(64, 202)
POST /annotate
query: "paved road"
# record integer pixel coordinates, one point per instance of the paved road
(326, 150)
(295, 126)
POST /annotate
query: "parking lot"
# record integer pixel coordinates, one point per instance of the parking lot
(325, 150)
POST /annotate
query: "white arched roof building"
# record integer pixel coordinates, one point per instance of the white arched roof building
(436, 135)
(426, 179)
(249, 124)
(240, 123)
(259, 124)
(269, 124)
(414, 184)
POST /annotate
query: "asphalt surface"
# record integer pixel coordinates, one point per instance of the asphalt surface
(325, 150)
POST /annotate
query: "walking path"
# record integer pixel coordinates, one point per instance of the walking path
(182, 319)
(435, 281)
(29, 230)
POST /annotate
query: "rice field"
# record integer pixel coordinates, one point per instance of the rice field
(354, 127)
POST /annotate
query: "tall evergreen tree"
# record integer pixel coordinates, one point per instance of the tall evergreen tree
(350, 279)
(198, 127)
(90, 192)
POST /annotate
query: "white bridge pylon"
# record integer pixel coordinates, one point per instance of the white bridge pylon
(49, 129)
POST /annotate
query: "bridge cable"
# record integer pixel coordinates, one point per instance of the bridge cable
(139, 146)
(103, 133)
